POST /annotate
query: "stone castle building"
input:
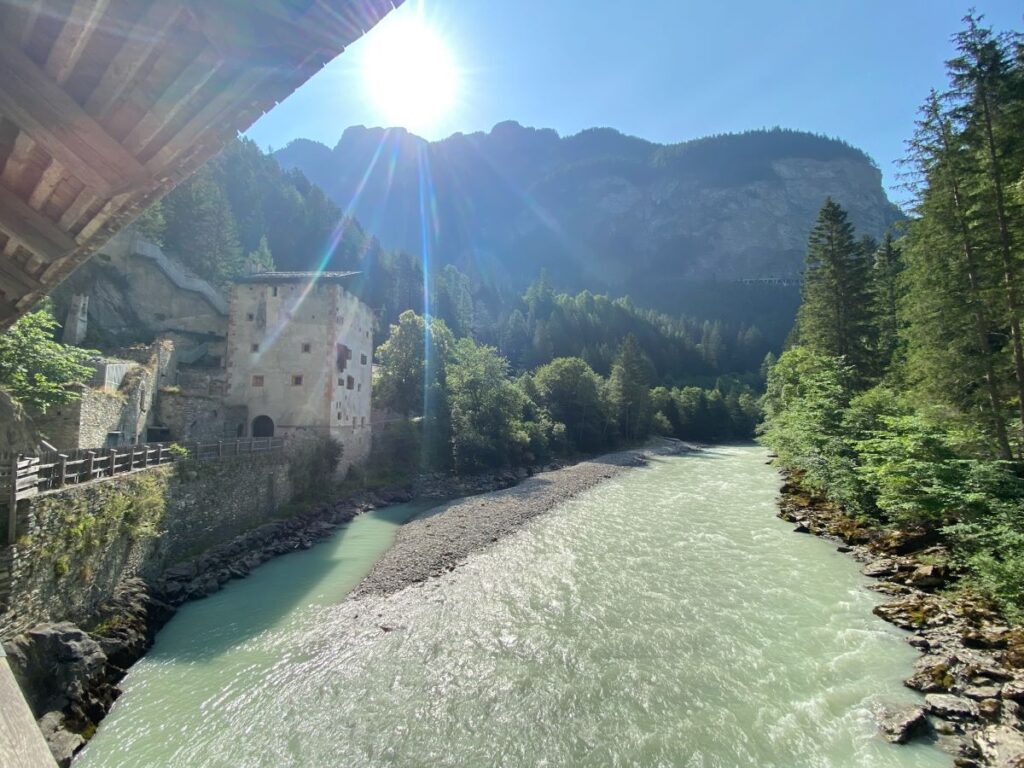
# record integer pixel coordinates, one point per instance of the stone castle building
(289, 354)
(299, 356)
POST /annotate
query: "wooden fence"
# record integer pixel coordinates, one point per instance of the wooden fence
(22, 477)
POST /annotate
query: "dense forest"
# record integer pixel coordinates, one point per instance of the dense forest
(243, 208)
(464, 408)
(901, 398)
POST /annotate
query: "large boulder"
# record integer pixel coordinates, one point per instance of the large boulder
(55, 664)
(1000, 747)
(900, 727)
(950, 707)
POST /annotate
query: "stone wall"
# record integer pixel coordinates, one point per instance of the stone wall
(190, 417)
(299, 356)
(75, 545)
(120, 402)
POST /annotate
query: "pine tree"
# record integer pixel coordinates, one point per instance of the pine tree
(981, 76)
(947, 307)
(833, 318)
(885, 271)
(200, 228)
(629, 389)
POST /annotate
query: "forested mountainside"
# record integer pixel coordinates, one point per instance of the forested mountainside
(242, 206)
(599, 210)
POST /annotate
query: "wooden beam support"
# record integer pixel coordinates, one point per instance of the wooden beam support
(11, 274)
(30, 228)
(35, 103)
(74, 37)
(234, 92)
(142, 40)
(173, 101)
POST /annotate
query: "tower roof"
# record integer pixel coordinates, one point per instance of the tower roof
(295, 277)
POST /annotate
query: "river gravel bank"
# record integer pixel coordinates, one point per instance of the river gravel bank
(436, 543)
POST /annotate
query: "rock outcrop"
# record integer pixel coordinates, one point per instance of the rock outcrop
(601, 210)
(971, 671)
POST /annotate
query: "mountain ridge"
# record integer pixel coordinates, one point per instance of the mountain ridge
(598, 209)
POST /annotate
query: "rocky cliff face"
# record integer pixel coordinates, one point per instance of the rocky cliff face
(599, 210)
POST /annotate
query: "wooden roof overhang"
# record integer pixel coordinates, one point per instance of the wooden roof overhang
(106, 105)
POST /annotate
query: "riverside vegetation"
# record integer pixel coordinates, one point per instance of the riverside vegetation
(901, 397)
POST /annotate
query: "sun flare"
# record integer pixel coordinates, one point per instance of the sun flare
(410, 74)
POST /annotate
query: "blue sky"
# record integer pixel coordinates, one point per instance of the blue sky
(665, 70)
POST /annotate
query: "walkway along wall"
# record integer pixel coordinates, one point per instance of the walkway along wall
(73, 546)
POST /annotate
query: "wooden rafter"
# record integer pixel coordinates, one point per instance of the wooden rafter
(34, 102)
(106, 105)
(30, 228)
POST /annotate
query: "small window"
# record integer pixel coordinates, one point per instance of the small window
(307, 347)
(341, 381)
(339, 415)
(344, 354)
(297, 380)
(350, 383)
(362, 422)
(273, 291)
(353, 421)
(250, 316)
(362, 359)
(359, 387)
(257, 381)
(255, 348)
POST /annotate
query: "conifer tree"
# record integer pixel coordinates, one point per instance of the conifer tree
(982, 79)
(885, 271)
(950, 327)
(833, 318)
(630, 389)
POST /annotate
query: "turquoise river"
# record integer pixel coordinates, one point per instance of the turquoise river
(664, 618)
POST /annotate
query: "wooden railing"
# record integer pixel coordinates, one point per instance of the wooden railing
(22, 477)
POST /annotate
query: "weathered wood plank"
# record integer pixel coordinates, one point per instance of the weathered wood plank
(124, 68)
(35, 103)
(67, 49)
(172, 102)
(206, 119)
(30, 228)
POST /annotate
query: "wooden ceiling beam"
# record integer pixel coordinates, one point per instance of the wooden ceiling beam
(175, 99)
(11, 275)
(31, 99)
(30, 228)
(74, 37)
(142, 40)
(234, 92)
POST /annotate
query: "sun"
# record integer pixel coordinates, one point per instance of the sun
(409, 74)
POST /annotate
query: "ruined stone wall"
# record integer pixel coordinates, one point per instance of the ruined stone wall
(75, 545)
(193, 417)
(101, 410)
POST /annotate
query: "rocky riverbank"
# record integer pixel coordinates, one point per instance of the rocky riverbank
(972, 666)
(437, 542)
(70, 674)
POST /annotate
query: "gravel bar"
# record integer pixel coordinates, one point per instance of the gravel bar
(438, 541)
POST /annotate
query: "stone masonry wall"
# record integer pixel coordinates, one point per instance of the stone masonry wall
(198, 417)
(75, 545)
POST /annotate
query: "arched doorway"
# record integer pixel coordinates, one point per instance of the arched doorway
(263, 426)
